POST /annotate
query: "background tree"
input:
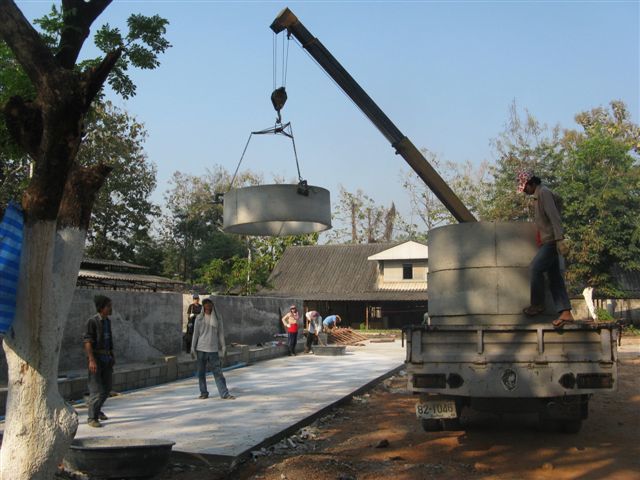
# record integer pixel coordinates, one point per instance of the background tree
(600, 186)
(121, 215)
(47, 125)
(358, 219)
(525, 144)
(595, 170)
(192, 226)
(200, 252)
(468, 182)
(247, 273)
(122, 212)
(14, 163)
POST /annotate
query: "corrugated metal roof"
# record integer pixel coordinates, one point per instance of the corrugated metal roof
(403, 286)
(333, 272)
(126, 277)
(111, 263)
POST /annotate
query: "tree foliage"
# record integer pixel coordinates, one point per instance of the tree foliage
(139, 47)
(196, 248)
(192, 226)
(524, 144)
(47, 124)
(358, 219)
(122, 212)
(14, 164)
(596, 172)
(427, 212)
(600, 185)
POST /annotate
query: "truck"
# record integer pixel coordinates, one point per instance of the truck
(476, 348)
(509, 369)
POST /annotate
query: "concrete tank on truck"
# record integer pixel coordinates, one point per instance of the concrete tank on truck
(477, 349)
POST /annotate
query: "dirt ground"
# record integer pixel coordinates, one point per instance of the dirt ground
(349, 444)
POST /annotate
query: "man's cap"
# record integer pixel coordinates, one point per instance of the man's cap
(292, 307)
(524, 177)
(195, 295)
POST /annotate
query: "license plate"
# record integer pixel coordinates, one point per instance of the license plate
(436, 409)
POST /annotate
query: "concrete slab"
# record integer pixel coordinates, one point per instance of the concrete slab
(272, 396)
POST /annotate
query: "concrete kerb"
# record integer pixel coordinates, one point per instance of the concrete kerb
(246, 455)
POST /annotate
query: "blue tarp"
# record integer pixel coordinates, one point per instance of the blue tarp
(11, 229)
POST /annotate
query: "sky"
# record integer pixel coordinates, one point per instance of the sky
(445, 72)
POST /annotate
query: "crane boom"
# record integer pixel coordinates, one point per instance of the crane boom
(286, 20)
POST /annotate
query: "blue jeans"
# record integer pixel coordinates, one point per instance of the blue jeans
(547, 260)
(214, 362)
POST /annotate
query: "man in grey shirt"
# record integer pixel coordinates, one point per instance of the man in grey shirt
(206, 347)
(552, 247)
(314, 326)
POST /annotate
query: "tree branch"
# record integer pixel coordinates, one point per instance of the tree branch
(80, 194)
(25, 42)
(78, 16)
(95, 77)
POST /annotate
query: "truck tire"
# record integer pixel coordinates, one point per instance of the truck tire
(562, 426)
(431, 425)
(451, 424)
(570, 426)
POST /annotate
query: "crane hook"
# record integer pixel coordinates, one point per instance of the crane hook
(278, 99)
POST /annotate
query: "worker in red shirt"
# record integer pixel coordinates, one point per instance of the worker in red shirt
(290, 322)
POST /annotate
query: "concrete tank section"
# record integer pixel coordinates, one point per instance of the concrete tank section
(479, 273)
(276, 210)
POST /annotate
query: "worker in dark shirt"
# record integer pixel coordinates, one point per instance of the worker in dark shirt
(192, 312)
(98, 345)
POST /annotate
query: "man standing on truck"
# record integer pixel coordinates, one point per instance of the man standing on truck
(550, 237)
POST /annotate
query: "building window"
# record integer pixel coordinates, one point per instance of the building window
(407, 271)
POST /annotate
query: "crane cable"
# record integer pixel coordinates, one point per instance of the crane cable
(285, 130)
(278, 98)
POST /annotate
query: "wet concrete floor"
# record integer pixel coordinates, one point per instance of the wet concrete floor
(272, 396)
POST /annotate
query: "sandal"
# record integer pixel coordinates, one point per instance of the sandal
(561, 322)
(533, 310)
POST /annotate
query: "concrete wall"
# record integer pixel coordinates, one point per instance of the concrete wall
(627, 310)
(248, 320)
(149, 325)
(145, 325)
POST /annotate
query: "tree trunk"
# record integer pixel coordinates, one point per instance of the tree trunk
(354, 229)
(39, 424)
